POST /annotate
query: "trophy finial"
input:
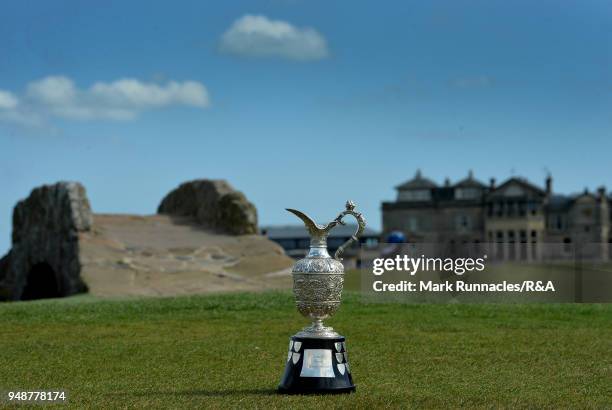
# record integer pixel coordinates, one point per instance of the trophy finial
(350, 205)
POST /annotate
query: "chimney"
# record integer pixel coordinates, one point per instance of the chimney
(492, 184)
(446, 182)
(548, 184)
(601, 192)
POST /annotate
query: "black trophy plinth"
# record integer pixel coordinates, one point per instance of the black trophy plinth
(317, 366)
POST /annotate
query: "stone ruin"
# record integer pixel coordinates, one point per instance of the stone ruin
(44, 258)
(214, 204)
(204, 237)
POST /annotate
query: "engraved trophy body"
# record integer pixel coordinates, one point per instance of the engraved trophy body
(317, 361)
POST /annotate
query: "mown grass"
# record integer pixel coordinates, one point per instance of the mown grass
(228, 350)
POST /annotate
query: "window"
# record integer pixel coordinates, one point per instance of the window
(371, 242)
(499, 210)
(415, 195)
(463, 222)
(467, 193)
(287, 244)
(532, 207)
(511, 249)
(510, 208)
(567, 245)
(558, 222)
(413, 224)
(522, 208)
(335, 243)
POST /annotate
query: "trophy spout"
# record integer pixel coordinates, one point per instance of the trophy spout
(318, 233)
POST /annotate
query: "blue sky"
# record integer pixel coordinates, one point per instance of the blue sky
(300, 103)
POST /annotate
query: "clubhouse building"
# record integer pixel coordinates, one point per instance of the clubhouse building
(520, 220)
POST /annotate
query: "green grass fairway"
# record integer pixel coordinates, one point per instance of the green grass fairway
(225, 351)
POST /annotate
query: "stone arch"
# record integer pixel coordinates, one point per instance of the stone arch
(45, 243)
(41, 283)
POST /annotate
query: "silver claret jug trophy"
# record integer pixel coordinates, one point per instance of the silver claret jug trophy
(317, 361)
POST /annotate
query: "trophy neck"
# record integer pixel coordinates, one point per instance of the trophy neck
(318, 252)
(318, 246)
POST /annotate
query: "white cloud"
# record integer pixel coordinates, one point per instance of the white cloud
(23, 118)
(7, 100)
(133, 93)
(123, 99)
(258, 36)
(53, 90)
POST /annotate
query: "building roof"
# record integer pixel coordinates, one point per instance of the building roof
(520, 181)
(300, 232)
(418, 182)
(470, 182)
(559, 202)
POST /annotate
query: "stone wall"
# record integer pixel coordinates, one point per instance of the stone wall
(214, 204)
(44, 257)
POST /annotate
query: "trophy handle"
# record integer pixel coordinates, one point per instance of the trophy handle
(350, 206)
